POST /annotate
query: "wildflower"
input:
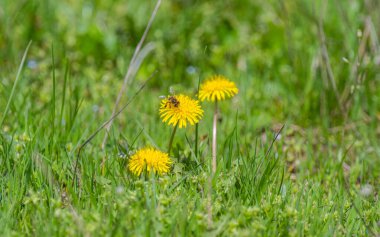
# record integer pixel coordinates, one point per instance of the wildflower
(217, 88)
(151, 160)
(180, 109)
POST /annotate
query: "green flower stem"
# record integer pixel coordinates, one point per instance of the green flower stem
(213, 166)
(214, 138)
(196, 141)
(172, 138)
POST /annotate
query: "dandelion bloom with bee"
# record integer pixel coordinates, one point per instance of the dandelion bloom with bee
(180, 110)
(151, 160)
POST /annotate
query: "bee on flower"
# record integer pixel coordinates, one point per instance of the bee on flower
(180, 110)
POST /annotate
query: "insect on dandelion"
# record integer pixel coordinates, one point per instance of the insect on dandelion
(216, 88)
(151, 160)
(178, 111)
(181, 110)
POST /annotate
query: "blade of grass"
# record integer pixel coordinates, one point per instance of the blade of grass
(64, 91)
(196, 125)
(15, 83)
(132, 69)
(52, 116)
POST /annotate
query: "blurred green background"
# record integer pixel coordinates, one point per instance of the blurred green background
(273, 49)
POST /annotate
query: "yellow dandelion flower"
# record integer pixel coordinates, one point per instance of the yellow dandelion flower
(180, 109)
(217, 88)
(149, 159)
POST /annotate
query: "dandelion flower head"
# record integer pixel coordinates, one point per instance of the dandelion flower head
(151, 160)
(180, 109)
(217, 88)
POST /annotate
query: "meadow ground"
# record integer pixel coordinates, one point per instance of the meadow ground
(312, 66)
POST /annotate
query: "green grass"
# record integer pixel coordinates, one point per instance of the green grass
(311, 65)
